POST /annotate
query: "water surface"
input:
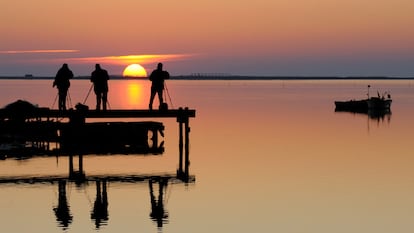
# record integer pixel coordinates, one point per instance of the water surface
(268, 156)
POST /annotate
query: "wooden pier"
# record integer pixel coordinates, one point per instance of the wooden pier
(75, 122)
(179, 113)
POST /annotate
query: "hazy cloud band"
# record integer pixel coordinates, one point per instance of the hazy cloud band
(39, 51)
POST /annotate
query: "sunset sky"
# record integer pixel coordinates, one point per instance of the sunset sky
(262, 37)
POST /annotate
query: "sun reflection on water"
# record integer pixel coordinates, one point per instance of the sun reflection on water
(131, 94)
(134, 93)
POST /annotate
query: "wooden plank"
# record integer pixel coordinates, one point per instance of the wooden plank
(115, 113)
(140, 114)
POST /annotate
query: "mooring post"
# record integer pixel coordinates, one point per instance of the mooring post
(187, 143)
(180, 141)
(180, 145)
(184, 141)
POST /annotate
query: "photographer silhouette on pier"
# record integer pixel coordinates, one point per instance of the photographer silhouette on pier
(157, 78)
(100, 78)
(62, 83)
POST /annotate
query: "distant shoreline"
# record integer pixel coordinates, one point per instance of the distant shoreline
(232, 77)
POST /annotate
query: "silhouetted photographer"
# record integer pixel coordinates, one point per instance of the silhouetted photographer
(62, 83)
(100, 78)
(157, 77)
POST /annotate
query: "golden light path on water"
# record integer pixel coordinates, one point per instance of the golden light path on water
(128, 94)
(135, 93)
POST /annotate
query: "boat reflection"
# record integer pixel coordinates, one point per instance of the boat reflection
(374, 115)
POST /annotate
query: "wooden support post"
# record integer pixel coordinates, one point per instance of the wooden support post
(71, 165)
(180, 142)
(184, 142)
(81, 164)
(180, 145)
(187, 147)
(79, 175)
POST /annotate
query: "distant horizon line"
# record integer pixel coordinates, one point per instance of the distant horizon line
(224, 77)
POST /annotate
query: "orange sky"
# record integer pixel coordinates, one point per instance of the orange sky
(264, 37)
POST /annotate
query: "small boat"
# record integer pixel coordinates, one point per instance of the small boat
(379, 103)
(351, 105)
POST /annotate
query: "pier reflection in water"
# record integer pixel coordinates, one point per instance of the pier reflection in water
(62, 211)
(100, 207)
(78, 146)
(99, 214)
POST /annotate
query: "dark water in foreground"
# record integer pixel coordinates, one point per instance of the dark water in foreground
(267, 156)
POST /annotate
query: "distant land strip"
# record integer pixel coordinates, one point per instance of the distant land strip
(230, 77)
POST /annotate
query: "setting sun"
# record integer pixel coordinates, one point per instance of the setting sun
(134, 70)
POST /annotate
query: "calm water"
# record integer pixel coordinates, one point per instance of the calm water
(268, 156)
